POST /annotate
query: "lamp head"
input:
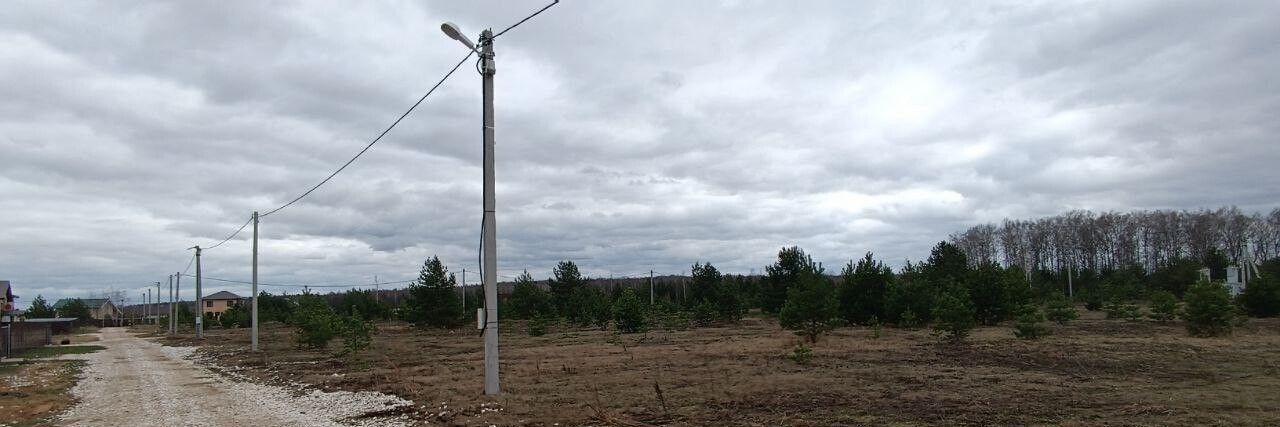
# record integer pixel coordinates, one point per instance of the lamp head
(453, 32)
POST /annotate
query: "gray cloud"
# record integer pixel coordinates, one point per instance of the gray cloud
(631, 136)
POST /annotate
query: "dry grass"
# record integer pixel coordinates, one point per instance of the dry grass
(31, 393)
(1091, 372)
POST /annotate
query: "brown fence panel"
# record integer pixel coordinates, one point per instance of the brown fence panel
(21, 336)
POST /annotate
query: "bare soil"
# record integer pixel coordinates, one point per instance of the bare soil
(1090, 372)
(32, 392)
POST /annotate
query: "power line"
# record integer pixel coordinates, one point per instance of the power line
(375, 140)
(238, 230)
(526, 19)
(299, 286)
(193, 259)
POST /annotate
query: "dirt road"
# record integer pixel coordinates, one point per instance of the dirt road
(137, 382)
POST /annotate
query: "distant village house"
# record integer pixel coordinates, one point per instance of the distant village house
(218, 303)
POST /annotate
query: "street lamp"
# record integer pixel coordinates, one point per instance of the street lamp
(490, 263)
(451, 30)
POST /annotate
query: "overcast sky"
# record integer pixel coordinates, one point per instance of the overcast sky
(630, 135)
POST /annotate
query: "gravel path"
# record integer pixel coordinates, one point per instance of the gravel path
(136, 382)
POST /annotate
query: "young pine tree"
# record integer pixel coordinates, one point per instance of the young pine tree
(565, 281)
(729, 304)
(1209, 311)
(433, 299)
(1029, 324)
(528, 301)
(1059, 309)
(811, 308)
(862, 290)
(1164, 306)
(990, 296)
(315, 323)
(39, 309)
(953, 315)
(628, 313)
(704, 284)
(791, 267)
(1260, 299)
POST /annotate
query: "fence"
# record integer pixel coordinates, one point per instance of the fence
(33, 333)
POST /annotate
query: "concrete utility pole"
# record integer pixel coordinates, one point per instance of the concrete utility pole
(650, 287)
(253, 339)
(490, 262)
(177, 296)
(464, 289)
(1071, 289)
(170, 304)
(490, 231)
(199, 300)
(489, 223)
(155, 305)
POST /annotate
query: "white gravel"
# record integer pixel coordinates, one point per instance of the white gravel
(136, 382)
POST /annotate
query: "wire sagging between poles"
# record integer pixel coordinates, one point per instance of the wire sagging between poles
(375, 140)
(238, 230)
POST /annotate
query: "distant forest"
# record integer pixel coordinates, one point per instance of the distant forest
(1149, 240)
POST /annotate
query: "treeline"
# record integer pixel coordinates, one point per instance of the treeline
(1147, 240)
(948, 290)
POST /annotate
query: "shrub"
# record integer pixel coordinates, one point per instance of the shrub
(1209, 311)
(537, 326)
(1131, 312)
(704, 313)
(628, 313)
(236, 317)
(1093, 301)
(528, 301)
(1164, 306)
(357, 333)
(801, 354)
(365, 303)
(729, 305)
(1030, 323)
(953, 315)
(314, 321)
(909, 320)
(276, 308)
(1118, 309)
(589, 306)
(811, 308)
(663, 314)
(1060, 310)
(1261, 298)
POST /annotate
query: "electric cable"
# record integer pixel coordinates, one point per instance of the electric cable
(189, 262)
(526, 19)
(216, 279)
(238, 230)
(375, 140)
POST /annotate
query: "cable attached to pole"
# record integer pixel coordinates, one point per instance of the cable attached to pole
(375, 140)
(526, 18)
(238, 230)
